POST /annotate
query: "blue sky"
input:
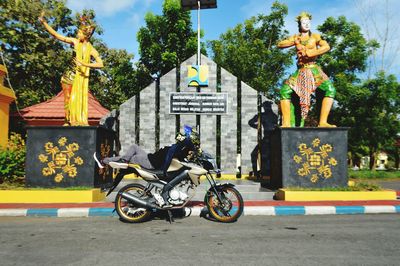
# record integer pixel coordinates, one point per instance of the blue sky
(121, 19)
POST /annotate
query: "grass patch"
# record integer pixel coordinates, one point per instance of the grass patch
(361, 186)
(368, 174)
(17, 186)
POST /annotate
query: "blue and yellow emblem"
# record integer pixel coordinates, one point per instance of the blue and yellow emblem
(197, 76)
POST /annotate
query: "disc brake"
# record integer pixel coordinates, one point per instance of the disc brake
(222, 205)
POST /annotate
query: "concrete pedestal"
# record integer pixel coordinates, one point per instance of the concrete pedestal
(309, 157)
(63, 156)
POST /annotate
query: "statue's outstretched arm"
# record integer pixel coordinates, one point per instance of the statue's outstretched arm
(98, 61)
(287, 42)
(60, 37)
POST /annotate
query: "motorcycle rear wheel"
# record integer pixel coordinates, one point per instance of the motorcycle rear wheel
(231, 207)
(126, 210)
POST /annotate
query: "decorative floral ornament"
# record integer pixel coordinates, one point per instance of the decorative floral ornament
(332, 161)
(297, 159)
(315, 161)
(105, 150)
(62, 141)
(314, 178)
(58, 178)
(43, 158)
(316, 142)
(61, 160)
(78, 160)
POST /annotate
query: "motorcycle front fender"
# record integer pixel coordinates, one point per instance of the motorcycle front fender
(222, 186)
(218, 187)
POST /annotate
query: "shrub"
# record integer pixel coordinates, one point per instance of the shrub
(372, 174)
(12, 159)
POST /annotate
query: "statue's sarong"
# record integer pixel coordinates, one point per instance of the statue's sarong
(304, 82)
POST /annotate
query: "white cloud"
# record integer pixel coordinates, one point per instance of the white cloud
(103, 8)
(120, 19)
(136, 20)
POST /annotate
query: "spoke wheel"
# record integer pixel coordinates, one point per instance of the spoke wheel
(229, 208)
(126, 210)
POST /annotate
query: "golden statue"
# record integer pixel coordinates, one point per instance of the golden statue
(75, 83)
(309, 76)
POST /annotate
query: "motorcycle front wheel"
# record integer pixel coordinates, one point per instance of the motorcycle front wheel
(229, 208)
(126, 210)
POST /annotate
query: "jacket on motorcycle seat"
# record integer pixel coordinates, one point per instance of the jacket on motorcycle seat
(157, 158)
(162, 158)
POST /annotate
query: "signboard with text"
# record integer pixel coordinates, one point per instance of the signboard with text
(198, 103)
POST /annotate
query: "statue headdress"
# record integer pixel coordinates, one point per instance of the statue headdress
(303, 14)
(87, 25)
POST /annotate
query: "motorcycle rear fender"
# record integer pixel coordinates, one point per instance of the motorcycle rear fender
(120, 176)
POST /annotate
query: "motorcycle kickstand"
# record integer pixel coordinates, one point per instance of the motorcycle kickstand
(169, 217)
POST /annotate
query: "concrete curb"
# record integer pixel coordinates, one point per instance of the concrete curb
(248, 210)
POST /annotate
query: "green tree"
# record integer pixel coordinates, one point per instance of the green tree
(117, 81)
(167, 39)
(367, 107)
(349, 50)
(35, 61)
(249, 50)
(375, 114)
(344, 62)
(164, 43)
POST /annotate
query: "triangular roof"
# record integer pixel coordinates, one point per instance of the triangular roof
(53, 109)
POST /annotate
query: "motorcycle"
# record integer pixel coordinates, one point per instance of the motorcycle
(135, 203)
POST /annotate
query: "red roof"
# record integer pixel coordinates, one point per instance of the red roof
(53, 109)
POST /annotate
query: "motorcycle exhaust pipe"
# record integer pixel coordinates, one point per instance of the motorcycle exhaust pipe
(139, 202)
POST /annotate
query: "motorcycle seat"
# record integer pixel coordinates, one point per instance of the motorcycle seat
(158, 172)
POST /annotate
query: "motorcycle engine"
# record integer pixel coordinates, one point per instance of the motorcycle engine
(179, 193)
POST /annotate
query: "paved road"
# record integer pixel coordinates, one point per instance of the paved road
(253, 240)
(389, 184)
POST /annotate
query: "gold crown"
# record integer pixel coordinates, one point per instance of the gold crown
(86, 25)
(303, 14)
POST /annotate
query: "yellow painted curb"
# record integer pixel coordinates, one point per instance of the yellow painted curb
(51, 196)
(223, 177)
(284, 194)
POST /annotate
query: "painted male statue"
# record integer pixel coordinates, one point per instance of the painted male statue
(309, 76)
(76, 96)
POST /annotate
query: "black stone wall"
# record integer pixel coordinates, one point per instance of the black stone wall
(63, 156)
(309, 157)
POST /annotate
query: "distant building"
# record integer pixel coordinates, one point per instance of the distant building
(381, 161)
